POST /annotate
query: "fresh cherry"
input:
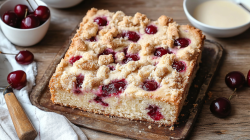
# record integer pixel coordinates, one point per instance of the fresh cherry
(17, 79)
(24, 57)
(31, 21)
(42, 13)
(73, 59)
(131, 57)
(221, 107)
(150, 86)
(179, 66)
(131, 35)
(101, 21)
(183, 42)
(10, 18)
(20, 10)
(248, 78)
(151, 29)
(154, 112)
(161, 51)
(235, 80)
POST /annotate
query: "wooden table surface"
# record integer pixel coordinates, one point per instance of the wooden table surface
(236, 58)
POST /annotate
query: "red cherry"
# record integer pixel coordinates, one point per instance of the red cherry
(73, 59)
(179, 66)
(20, 10)
(183, 42)
(92, 39)
(113, 88)
(248, 78)
(131, 57)
(151, 29)
(29, 22)
(10, 18)
(24, 57)
(150, 86)
(221, 107)
(17, 79)
(161, 51)
(42, 13)
(78, 84)
(154, 112)
(235, 79)
(101, 21)
(131, 35)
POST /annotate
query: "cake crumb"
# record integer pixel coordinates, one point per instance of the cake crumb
(196, 86)
(149, 127)
(195, 105)
(182, 115)
(171, 128)
(210, 94)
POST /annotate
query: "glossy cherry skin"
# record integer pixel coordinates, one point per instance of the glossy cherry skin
(42, 13)
(73, 59)
(248, 78)
(17, 79)
(154, 113)
(179, 66)
(29, 22)
(161, 51)
(20, 10)
(183, 42)
(24, 57)
(150, 86)
(131, 57)
(113, 88)
(10, 18)
(235, 80)
(131, 35)
(101, 21)
(151, 29)
(221, 107)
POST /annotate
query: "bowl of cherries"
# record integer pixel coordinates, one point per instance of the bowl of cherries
(24, 22)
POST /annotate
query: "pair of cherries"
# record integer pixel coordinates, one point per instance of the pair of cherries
(22, 18)
(221, 107)
(17, 79)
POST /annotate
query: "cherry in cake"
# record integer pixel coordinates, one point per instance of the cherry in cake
(113, 88)
(183, 42)
(161, 51)
(92, 39)
(131, 35)
(78, 84)
(179, 66)
(101, 21)
(154, 113)
(73, 59)
(131, 57)
(151, 29)
(150, 85)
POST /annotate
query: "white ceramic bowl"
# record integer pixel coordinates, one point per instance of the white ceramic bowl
(23, 37)
(190, 5)
(62, 3)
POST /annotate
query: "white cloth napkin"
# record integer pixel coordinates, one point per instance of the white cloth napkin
(49, 125)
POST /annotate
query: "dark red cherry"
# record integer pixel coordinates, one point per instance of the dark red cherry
(113, 88)
(99, 100)
(248, 78)
(10, 18)
(183, 42)
(131, 35)
(179, 66)
(17, 79)
(29, 22)
(131, 57)
(107, 52)
(24, 57)
(235, 79)
(20, 10)
(78, 84)
(112, 68)
(154, 112)
(161, 51)
(92, 39)
(151, 29)
(221, 107)
(73, 59)
(150, 86)
(42, 13)
(101, 21)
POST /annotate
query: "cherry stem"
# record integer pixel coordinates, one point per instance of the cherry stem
(30, 5)
(232, 94)
(26, 12)
(7, 53)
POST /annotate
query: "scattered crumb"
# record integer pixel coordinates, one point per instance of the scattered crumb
(196, 86)
(149, 127)
(210, 94)
(182, 115)
(171, 128)
(195, 105)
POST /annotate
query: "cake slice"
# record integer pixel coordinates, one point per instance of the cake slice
(128, 67)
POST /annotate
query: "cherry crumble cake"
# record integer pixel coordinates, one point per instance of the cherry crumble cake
(128, 67)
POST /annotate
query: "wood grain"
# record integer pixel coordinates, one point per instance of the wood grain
(236, 58)
(23, 126)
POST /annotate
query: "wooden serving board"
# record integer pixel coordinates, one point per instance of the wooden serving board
(211, 56)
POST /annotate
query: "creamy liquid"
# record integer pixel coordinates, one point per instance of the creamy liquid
(219, 13)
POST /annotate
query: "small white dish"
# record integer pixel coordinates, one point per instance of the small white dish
(62, 3)
(23, 37)
(190, 5)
